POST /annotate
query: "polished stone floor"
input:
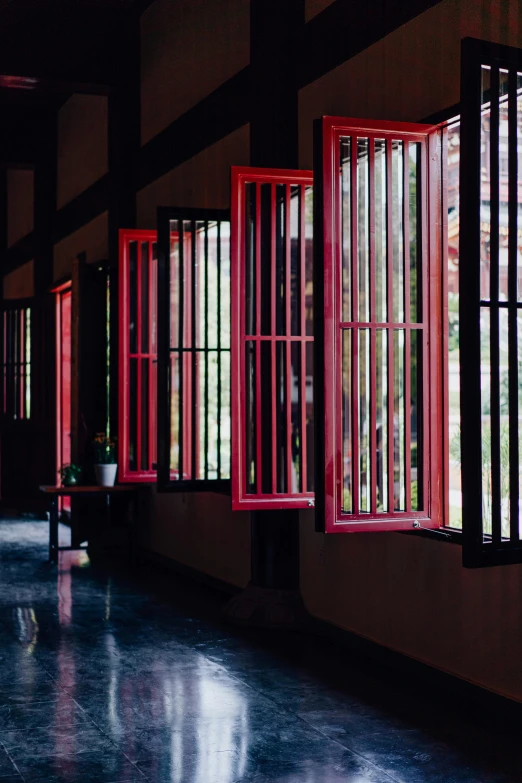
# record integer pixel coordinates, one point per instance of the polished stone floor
(104, 677)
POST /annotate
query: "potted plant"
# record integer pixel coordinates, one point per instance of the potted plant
(105, 465)
(70, 475)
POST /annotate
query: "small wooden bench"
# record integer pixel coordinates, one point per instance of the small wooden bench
(55, 492)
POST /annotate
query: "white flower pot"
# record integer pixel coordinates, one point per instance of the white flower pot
(106, 474)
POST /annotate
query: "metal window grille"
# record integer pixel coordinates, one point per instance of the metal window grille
(378, 315)
(17, 362)
(490, 284)
(194, 421)
(138, 355)
(272, 327)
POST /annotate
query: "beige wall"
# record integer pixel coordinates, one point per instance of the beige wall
(314, 7)
(188, 49)
(82, 145)
(19, 284)
(20, 204)
(203, 181)
(413, 595)
(404, 592)
(413, 72)
(200, 531)
(408, 593)
(91, 239)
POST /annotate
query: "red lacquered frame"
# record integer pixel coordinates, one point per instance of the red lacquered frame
(332, 130)
(125, 473)
(63, 382)
(241, 176)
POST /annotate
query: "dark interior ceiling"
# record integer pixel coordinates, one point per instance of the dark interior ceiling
(48, 50)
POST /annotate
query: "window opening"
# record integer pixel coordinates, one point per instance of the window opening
(272, 324)
(17, 362)
(194, 358)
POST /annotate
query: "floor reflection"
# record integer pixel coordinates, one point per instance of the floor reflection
(102, 681)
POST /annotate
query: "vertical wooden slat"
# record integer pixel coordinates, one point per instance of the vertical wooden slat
(258, 434)
(496, 490)
(139, 347)
(407, 319)
(151, 413)
(389, 281)
(273, 330)
(373, 341)
(21, 367)
(166, 356)
(354, 224)
(423, 335)
(302, 386)
(513, 380)
(193, 353)
(288, 331)
(445, 331)
(181, 345)
(206, 397)
(469, 304)
(219, 346)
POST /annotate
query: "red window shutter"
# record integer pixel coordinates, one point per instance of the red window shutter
(378, 325)
(272, 339)
(137, 441)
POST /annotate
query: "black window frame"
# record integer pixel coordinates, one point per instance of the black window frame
(165, 480)
(481, 549)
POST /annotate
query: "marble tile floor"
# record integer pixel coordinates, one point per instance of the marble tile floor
(108, 677)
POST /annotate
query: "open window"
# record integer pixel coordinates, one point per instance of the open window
(272, 346)
(138, 355)
(194, 426)
(378, 308)
(491, 303)
(17, 361)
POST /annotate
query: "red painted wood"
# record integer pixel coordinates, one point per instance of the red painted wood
(273, 331)
(138, 357)
(354, 225)
(257, 397)
(334, 129)
(241, 499)
(407, 318)
(373, 334)
(125, 474)
(288, 347)
(445, 467)
(391, 368)
(302, 298)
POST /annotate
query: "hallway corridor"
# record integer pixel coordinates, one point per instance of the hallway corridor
(106, 679)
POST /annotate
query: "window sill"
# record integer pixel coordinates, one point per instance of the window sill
(444, 534)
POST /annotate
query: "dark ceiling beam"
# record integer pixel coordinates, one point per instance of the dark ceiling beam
(347, 27)
(19, 254)
(216, 116)
(341, 31)
(18, 149)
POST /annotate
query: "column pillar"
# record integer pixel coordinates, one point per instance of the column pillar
(272, 599)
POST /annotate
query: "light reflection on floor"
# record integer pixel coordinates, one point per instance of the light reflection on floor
(102, 680)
